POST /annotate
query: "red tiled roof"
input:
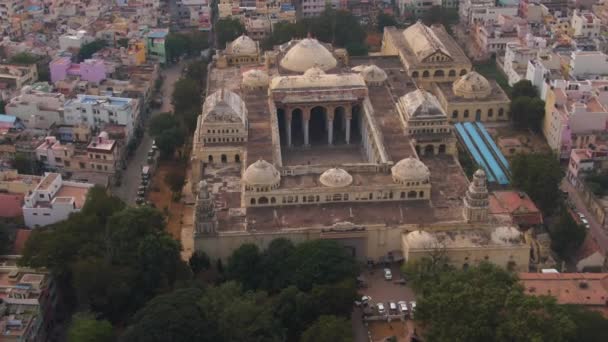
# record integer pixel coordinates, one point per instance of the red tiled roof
(21, 237)
(11, 205)
(517, 204)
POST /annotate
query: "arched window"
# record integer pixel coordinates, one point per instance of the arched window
(421, 194)
(224, 158)
(438, 73)
(415, 74)
(263, 200)
(237, 158)
(253, 201)
(402, 194)
(501, 112)
(273, 200)
(425, 73)
(411, 194)
(455, 114)
(490, 112)
(463, 72)
(452, 73)
(466, 113)
(210, 158)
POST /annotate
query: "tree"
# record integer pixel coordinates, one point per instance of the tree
(87, 50)
(433, 15)
(175, 316)
(528, 112)
(176, 45)
(25, 165)
(5, 240)
(590, 325)
(421, 272)
(275, 265)
(162, 122)
(486, 303)
(227, 30)
(524, 88)
(85, 328)
(186, 95)
(539, 175)
(170, 140)
(197, 71)
(385, 20)
(321, 262)
(175, 179)
(566, 235)
(199, 261)
(296, 310)
(24, 58)
(329, 329)
(335, 299)
(244, 266)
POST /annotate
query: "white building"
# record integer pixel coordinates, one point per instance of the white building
(314, 8)
(418, 7)
(53, 200)
(490, 14)
(95, 111)
(467, 7)
(588, 64)
(37, 109)
(542, 69)
(74, 40)
(516, 61)
(585, 24)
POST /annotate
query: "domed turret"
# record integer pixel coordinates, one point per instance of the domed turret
(336, 178)
(306, 54)
(314, 72)
(261, 176)
(410, 170)
(373, 75)
(255, 78)
(472, 86)
(244, 45)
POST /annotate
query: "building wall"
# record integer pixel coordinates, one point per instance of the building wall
(37, 110)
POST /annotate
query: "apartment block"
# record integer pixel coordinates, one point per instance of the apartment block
(37, 109)
(97, 111)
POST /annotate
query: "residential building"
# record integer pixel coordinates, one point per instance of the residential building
(53, 200)
(492, 37)
(490, 15)
(91, 70)
(585, 289)
(196, 13)
(585, 161)
(13, 77)
(96, 111)
(314, 8)
(515, 64)
(155, 45)
(29, 301)
(517, 206)
(37, 109)
(73, 40)
(135, 53)
(103, 154)
(585, 24)
(588, 64)
(416, 8)
(467, 7)
(544, 68)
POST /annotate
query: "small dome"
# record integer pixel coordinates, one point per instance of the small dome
(244, 45)
(479, 173)
(306, 54)
(336, 178)
(506, 236)
(419, 239)
(261, 173)
(255, 78)
(421, 103)
(373, 74)
(472, 86)
(314, 72)
(410, 170)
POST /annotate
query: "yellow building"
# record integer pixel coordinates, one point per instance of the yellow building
(473, 98)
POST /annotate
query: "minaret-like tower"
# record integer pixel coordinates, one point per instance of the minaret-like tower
(205, 220)
(476, 199)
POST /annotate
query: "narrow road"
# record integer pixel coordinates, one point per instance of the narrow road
(127, 191)
(597, 231)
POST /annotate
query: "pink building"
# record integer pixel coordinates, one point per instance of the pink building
(91, 70)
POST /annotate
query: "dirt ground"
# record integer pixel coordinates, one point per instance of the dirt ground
(162, 198)
(530, 142)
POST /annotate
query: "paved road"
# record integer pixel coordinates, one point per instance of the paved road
(127, 191)
(597, 231)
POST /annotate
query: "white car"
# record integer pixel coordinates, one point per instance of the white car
(381, 308)
(388, 275)
(402, 306)
(392, 306)
(413, 307)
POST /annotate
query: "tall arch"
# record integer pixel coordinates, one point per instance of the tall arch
(426, 73)
(452, 73)
(463, 72)
(415, 74)
(439, 73)
(317, 126)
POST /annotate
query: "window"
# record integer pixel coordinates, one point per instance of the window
(46, 214)
(58, 160)
(41, 196)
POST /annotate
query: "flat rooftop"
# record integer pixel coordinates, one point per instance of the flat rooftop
(497, 94)
(77, 192)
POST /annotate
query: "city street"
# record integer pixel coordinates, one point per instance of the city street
(597, 231)
(127, 191)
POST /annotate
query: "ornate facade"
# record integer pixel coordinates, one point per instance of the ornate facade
(241, 51)
(476, 200)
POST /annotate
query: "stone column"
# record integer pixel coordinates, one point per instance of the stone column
(330, 128)
(305, 120)
(347, 129)
(288, 128)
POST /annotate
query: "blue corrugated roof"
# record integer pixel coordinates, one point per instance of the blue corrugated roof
(7, 118)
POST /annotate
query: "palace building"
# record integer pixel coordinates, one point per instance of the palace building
(312, 143)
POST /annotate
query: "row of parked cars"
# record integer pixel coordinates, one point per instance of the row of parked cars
(146, 174)
(390, 308)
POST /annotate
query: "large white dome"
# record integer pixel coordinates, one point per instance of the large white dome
(244, 45)
(410, 170)
(373, 74)
(472, 86)
(308, 53)
(255, 78)
(419, 239)
(336, 178)
(261, 173)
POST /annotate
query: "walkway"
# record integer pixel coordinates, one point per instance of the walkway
(597, 231)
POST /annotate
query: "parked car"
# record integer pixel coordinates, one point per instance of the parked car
(139, 200)
(392, 306)
(381, 308)
(388, 275)
(413, 307)
(402, 307)
(141, 193)
(366, 299)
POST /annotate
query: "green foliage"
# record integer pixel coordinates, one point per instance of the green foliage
(539, 175)
(275, 263)
(524, 88)
(227, 30)
(25, 165)
(115, 257)
(296, 310)
(161, 123)
(192, 43)
(85, 328)
(175, 179)
(598, 184)
(186, 95)
(566, 235)
(244, 265)
(591, 326)
(169, 140)
(87, 50)
(329, 329)
(440, 15)
(24, 58)
(5, 240)
(199, 261)
(385, 20)
(528, 112)
(485, 303)
(426, 270)
(170, 317)
(197, 71)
